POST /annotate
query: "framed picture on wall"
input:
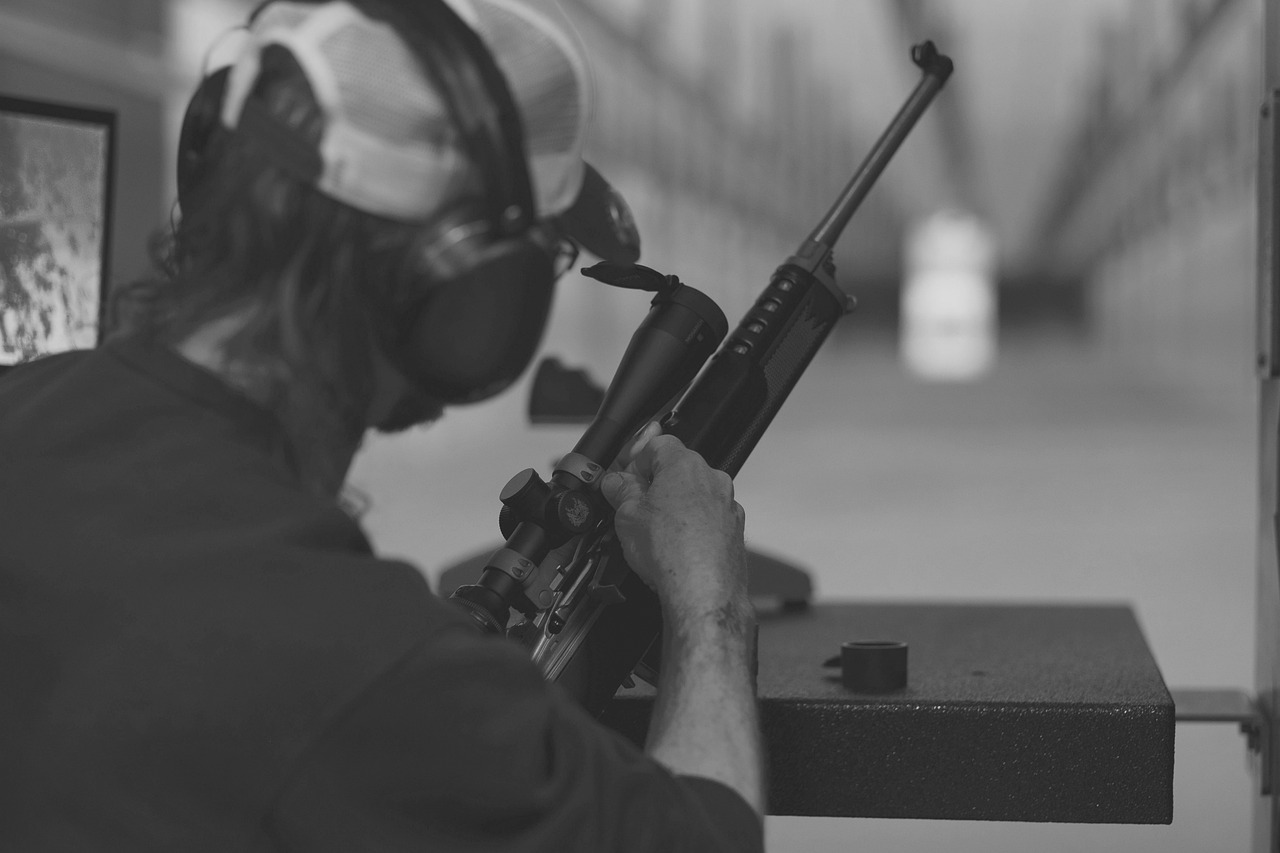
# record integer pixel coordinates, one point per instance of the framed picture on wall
(55, 221)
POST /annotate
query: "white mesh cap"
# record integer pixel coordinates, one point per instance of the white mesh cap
(389, 146)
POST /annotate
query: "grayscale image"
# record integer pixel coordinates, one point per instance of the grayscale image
(638, 426)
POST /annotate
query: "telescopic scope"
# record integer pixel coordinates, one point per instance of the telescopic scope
(680, 332)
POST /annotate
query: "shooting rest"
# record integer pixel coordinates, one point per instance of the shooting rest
(1011, 712)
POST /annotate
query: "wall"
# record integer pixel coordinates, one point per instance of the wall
(96, 55)
(1156, 212)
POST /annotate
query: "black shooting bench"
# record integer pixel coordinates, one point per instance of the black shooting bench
(1011, 712)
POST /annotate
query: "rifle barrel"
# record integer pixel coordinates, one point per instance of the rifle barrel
(937, 68)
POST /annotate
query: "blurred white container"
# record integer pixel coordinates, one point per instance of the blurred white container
(948, 320)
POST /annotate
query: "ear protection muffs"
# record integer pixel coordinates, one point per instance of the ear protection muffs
(487, 269)
(200, 123)
(492, 271)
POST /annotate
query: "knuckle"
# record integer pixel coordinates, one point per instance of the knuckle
(665, 444)
(692, 459)
(682, 460)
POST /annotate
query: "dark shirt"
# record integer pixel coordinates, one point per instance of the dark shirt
(196, 654)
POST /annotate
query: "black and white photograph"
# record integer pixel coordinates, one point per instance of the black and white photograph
(718, 426)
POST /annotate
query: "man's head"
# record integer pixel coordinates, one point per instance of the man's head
(395, 171)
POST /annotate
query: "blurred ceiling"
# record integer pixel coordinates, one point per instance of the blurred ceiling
(994, 143)
(996, 139)
(1024, 70)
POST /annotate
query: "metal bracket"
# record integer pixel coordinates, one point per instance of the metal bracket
(1198, 705)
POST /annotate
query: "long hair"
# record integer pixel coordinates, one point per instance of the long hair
(311, 276)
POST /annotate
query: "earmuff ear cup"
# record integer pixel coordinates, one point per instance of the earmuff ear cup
(201, 123)
(473, 335)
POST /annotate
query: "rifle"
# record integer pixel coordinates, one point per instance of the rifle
(591, 623)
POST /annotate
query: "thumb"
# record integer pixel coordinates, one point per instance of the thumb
(619, 487)
(638, 442)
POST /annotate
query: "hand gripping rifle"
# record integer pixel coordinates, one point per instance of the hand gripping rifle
(591, 622)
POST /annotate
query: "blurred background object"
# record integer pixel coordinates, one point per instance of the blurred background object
(948, 328)
(1105, 451)
(55, 194)
(1108, 145)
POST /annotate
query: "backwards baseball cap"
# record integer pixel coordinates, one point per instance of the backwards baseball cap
(390, 147)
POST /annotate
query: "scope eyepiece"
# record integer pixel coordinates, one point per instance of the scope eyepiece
(681, 331)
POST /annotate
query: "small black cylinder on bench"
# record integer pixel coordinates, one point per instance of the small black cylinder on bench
(873, 666)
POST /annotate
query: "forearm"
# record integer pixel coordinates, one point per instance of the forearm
(705, 721)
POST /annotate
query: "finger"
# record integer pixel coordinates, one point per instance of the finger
(619, 487)
(638, 442)
(659, 452)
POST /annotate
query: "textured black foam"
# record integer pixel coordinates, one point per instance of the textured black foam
(1011, 712)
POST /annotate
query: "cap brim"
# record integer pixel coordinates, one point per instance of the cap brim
(600, 221)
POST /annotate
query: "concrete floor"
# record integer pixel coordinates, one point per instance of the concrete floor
(1061, 477)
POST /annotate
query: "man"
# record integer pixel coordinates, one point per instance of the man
(199, 650)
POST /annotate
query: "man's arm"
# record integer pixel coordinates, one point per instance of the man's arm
(464, 744)
(704, 718)
(683, 533)
(463, 739)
